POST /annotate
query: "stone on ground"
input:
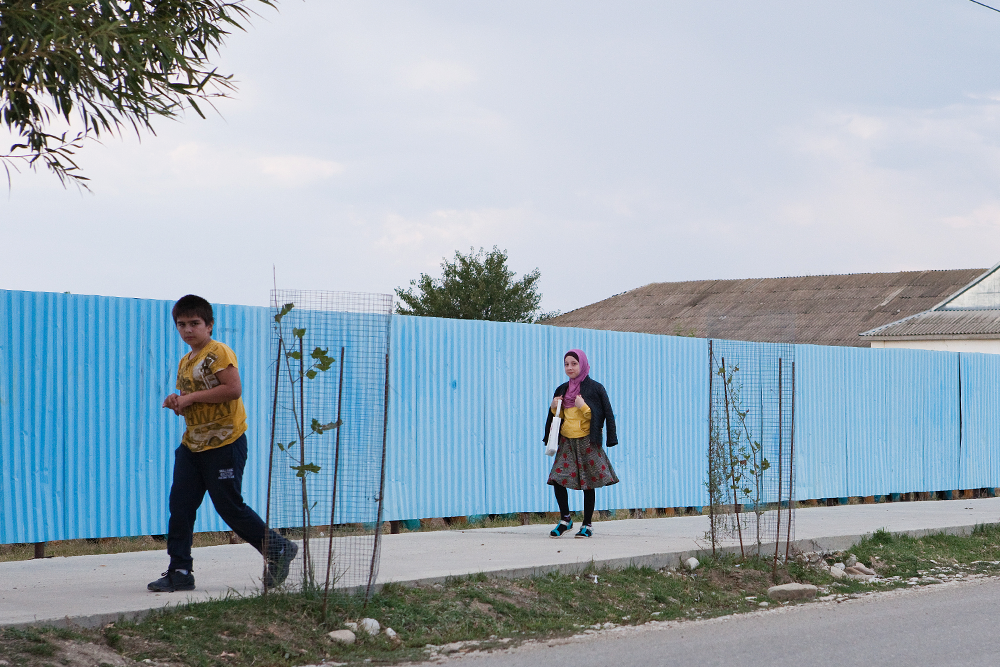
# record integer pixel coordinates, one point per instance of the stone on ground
(370, 625)
(793, 591)
(691, 563)
(342, 636)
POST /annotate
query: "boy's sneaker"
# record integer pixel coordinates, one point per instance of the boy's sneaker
(171, 581)
(277, 568)
(561, 528)
(585, 531)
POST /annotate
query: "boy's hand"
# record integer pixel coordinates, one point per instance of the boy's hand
(229, 389)
(176, 403)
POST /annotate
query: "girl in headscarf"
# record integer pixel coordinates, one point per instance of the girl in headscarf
(580, 462)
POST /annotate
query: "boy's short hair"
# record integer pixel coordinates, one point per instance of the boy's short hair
(193, 305)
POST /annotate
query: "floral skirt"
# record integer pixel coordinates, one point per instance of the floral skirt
(579, 465)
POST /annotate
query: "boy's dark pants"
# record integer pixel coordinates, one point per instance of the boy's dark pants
(220, 472)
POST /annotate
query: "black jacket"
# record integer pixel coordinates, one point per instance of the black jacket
(600, 411)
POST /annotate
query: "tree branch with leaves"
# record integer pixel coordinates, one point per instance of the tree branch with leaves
(106, 64)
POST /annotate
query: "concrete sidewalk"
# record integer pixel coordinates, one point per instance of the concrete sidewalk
(89, 590)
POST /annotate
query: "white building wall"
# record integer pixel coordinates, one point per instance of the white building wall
(953, 345)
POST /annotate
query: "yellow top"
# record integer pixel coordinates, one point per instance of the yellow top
(209, 425)
(576, 422)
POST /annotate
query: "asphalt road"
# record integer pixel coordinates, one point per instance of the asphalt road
(949, 624)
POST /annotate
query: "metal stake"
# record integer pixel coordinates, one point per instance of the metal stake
(791, 470)
(381, 489)
(336, 466)
(732, 468)
(777, 532)
(711, 457)
(306, 560)
(270, 460)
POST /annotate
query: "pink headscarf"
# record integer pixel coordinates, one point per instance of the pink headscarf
(574, 384)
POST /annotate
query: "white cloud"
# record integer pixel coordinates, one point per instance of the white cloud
(438, 75)
(984, 216)
(901, 188)
(294, 170)
(445, 228)
(864, 127)
(208, 165)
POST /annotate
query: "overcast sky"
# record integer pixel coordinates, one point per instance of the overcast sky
(608, 144)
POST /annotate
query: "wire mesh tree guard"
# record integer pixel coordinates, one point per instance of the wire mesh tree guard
(326, 473)
(751, 446)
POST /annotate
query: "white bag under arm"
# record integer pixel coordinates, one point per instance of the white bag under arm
(553, 444)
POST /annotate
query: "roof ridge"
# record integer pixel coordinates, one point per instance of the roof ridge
(817, 275)
(820, 309)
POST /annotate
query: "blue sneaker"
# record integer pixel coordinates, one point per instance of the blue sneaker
(585, 531)
(561, 528)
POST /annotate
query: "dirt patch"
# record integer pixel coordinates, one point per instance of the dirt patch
(737, 580)
(484, 608)
(136, 645)
(282, 632)
(84, 654)
(515, 595)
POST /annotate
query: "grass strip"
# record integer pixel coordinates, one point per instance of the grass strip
(481, 613)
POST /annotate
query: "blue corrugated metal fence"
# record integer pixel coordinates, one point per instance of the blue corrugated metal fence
(467, 408)
(86, 450)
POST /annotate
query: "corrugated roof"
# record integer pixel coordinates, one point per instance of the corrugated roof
(973, 311)
(823, 310)
(942, 323)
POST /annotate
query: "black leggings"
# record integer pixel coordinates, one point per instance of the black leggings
(562, 497)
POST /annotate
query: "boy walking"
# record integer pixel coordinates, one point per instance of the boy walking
(212, 452)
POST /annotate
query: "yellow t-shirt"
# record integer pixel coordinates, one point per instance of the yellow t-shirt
(576, 422)
(209, 425)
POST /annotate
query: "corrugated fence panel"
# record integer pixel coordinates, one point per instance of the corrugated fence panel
(86, 449)
(354, 449)
(158, 350)
(31, 499)
(521, 376)
(868, 425)
(401, 495)
(902, 422)
(938, 412)
(458, 383)
(680, 377)
(980, 457)
(607, 354)
(605, 365)
(626, 365)
(920, 422)
(246, 329)
(443, 455)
